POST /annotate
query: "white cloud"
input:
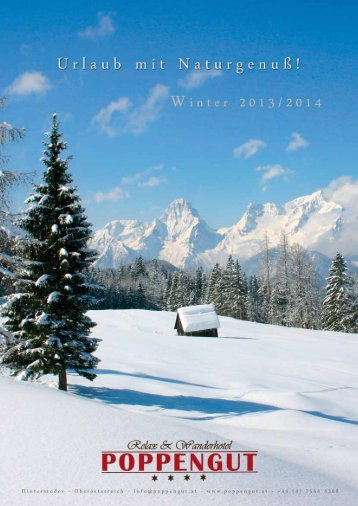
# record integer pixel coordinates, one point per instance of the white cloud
(197, 78)
(104, 117)
(249, 148)
(272, 172)
(343, 191)
(139, 176)
(114, 194)
(148, 112)
(152, 181)
(133, 120)
(29, 83)
(297, 142)
(139, 179)
(103, 28)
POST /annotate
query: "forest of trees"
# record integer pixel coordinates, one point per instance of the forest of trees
(287, 290)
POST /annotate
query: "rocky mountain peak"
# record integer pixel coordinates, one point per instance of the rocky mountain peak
(181, 237)
(179, 209)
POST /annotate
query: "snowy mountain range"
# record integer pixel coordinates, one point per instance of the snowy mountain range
(180, 236)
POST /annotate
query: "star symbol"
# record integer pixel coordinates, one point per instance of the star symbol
(203, 477)
(154, 477)
(186, 477)
(170, 477)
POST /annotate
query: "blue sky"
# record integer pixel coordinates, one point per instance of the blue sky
(133, 151)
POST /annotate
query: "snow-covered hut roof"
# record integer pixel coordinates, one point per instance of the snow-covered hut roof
(195, 318)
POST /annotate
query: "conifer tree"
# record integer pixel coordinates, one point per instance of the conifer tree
(138, 269)
(255, 304)
(215, 289)
(167, 293)
(241, 289)
(229, 288)
(204, 290)
(182, 293)
(47, 315)
(199, 286)
(139, 300)
(173, 297)
(234, 290)
(340, 309)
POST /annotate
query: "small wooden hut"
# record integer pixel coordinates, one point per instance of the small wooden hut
(197, 321)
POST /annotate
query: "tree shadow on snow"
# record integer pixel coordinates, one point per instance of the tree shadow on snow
(331, 417)
(150, 377)
(212, 408)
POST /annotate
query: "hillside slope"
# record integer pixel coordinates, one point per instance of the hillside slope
(289, 393)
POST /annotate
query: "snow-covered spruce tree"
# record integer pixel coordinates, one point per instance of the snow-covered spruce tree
(199, 285)
(47, 314)
(234, 291)
(216, 288)
(172, 304)
(340, 307)
(138, 268)
(138, 298)
(165, 306)
(183, 291)
(204, 290)
(240, 304)
(229, 287)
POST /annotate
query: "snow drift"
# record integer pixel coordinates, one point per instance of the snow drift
(289, 393)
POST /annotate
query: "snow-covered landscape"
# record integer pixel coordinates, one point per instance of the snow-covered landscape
(289, 393)
(178, 254)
